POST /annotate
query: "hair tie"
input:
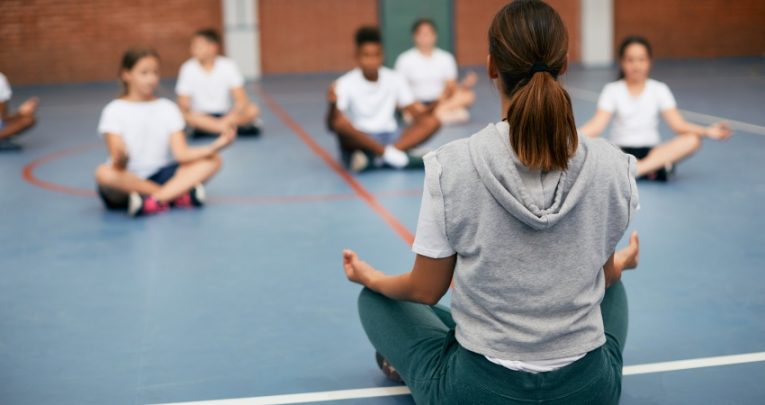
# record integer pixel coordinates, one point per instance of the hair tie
(541, 67)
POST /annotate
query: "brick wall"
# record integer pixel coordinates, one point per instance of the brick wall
(472, 19)
(311, 35)
(694, 28)
(50, 41)
(55, 41)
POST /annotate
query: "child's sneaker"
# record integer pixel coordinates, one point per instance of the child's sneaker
(387, 368)
(194, 198)
(359, 161)
(138, 205)
(415, 162)
(7, 145)
(661, 175)
(252, 130)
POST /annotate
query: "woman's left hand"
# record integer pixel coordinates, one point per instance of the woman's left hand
(356, 269)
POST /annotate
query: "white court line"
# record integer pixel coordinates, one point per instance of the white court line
(592, 96)
(693, 363)
(402, 390)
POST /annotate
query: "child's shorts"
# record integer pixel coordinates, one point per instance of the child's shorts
(661, 175)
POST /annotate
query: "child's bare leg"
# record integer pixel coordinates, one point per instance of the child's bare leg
(423, 127)
(669, 152)
(454, 110)
(187, 176)
(206, 122)
(462, 98)
(352, 138)
(122, 180)
(245, 116)
(16, 124)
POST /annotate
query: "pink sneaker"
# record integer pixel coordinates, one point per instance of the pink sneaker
(194, 198)
(138, 205)
(183, 201)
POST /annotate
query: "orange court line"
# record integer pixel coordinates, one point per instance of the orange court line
(354, 184)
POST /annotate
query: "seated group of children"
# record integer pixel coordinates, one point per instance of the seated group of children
(152, 168)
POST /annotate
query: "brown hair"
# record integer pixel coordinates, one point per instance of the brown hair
(210, 34)
(630, 40)
(130, 58)
(528, 44)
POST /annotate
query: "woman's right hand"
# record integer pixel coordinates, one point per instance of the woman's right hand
(357, 270)
(629, 257)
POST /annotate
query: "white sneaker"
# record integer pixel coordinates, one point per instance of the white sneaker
(359, 161)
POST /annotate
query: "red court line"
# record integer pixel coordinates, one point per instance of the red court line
(29, 175)
(355, 185)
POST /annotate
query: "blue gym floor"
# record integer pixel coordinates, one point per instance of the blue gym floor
(246, 298)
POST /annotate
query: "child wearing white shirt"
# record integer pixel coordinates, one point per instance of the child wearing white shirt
(635, 101)
(432, 74)
(206, 84)
(12, 124)
(151, 167)
(362, 107)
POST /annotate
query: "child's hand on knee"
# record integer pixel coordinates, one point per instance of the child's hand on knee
(331, 94)
(719, 131)
(225, 138)
(29, 107)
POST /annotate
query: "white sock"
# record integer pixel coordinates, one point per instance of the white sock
(395, 157)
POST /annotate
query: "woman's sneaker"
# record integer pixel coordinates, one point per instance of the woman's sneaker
(139, 205)
(387, 368)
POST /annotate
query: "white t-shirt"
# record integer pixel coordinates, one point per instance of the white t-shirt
(636, 119)
(145, 128)
(5, 93)
(427, 75)
(431, 241)
(371, 106)
(5, 89)
(210, 92)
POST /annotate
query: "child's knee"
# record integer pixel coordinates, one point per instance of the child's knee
(430, 122)
(695, 142)
(216, 161)
(105, 175)
(253, 111)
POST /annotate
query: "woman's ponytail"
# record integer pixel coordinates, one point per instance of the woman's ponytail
(528, 45)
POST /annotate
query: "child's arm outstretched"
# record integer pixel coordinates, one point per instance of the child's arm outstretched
(680, 126)
(597, 124)
(183, 153)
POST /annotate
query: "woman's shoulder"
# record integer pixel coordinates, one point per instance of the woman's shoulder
(606, 153)
(460, 148)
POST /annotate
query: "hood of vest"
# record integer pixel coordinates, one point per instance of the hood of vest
(501, 173)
